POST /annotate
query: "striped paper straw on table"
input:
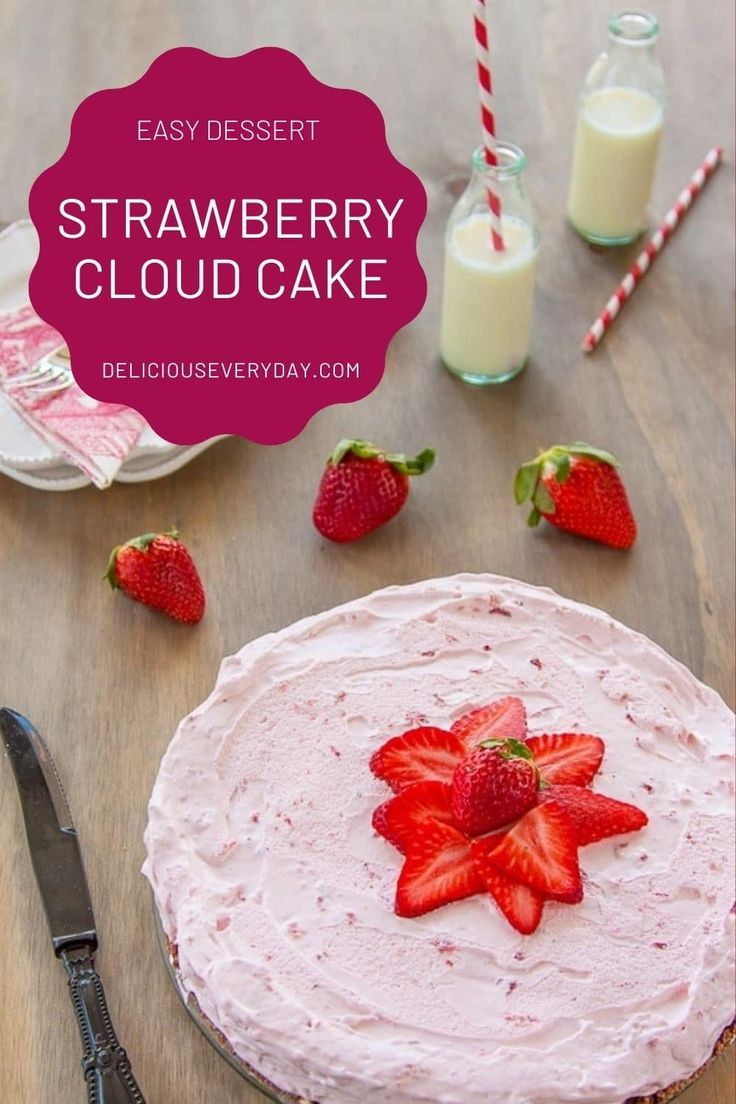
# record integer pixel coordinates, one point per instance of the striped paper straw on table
(485, 86)
(654, 247)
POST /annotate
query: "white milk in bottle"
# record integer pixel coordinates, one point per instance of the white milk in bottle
(488, 294)
(619, 125)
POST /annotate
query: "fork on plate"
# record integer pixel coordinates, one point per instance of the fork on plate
(52, 373)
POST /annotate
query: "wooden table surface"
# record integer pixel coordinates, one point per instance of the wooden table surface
(106, 680)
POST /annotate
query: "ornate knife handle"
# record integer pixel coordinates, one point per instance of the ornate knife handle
(105, 1064)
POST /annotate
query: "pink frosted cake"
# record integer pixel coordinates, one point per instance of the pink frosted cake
(586, 953)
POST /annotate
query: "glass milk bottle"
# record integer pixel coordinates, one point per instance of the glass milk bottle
(620, 121)
(488, 294)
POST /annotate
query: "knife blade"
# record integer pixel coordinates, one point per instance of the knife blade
(52, 839)
(57, 863)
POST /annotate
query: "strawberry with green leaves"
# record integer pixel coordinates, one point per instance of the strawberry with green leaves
(493, 786)
(363, 487)
(157, 570)
(578, 488)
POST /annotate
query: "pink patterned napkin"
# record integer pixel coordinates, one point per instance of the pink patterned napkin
(94, 436)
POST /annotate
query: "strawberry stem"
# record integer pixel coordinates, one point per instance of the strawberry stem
(515, 749)
(509, 747)
(110, 571)
(142, 543)
(555, 461)
(416, 465)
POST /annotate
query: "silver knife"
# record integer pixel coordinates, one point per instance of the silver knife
(57, 863)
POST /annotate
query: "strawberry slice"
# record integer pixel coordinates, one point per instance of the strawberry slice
(571, 758)
(502, 719)
(438, 869)
(541, 851)
(595, 816)
(420, 755)
(403, 817)
(521, 905)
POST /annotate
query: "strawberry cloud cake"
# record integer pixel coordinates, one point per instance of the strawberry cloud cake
(452, 842)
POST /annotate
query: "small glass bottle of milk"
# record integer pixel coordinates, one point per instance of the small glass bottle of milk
(620, 121)
(488, 294)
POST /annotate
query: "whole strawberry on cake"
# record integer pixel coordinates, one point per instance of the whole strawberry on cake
(458, 841)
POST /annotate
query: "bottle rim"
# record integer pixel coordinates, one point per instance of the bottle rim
(511, 161)
(634, 26)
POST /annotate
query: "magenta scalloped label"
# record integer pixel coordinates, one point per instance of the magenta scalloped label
(228, 245)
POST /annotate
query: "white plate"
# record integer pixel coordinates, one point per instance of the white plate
(23, 454)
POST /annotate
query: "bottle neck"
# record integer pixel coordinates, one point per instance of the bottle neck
(507, 176)
(632, 49)
(632, 37)
(630, 59)
(505, 180)
(633, 30)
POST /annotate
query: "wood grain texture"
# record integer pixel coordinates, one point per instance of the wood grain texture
(106, 681)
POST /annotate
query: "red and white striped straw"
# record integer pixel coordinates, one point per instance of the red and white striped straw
(654, 247)
(485, 86)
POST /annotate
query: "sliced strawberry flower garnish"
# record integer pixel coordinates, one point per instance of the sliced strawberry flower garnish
(541, 851)
(420, 755)
(403, 817)
(519, 866)
(595, 816)
(521, 905)
(571, 758)
(438, 869)
(502, 719)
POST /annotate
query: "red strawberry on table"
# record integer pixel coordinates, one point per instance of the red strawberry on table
(363, 487)
(502, 719)
(578, 488)
(595, 816)
(157, 570)
(493, 786)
